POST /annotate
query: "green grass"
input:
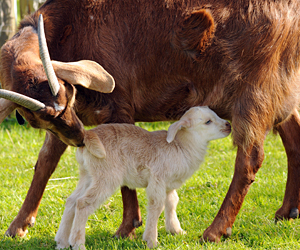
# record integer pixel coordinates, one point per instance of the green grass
(200, 199)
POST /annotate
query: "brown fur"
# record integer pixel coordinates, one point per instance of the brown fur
(245, 67)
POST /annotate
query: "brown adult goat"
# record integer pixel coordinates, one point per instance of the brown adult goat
(164, 59)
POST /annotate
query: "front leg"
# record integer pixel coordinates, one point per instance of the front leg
(290, 135)
(100, 189)
(172, 222)
(247, 164)
(64, 231)
(156, 194)
(48, 159)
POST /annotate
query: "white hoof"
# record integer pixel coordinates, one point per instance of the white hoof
(62, 246)
(78, 247)
(152, 243)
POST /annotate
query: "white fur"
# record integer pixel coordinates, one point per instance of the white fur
(117, 155)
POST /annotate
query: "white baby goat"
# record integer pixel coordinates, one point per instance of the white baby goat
(117, 155)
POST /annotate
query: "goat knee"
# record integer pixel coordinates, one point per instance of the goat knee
(70, 202)
(82, 203)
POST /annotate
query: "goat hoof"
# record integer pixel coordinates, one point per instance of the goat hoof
(78, 247)
(21, 233)
(228, 232)
(61, 246)
(137, 223)
(182, 232)
(210, 236)
(124, 232)
(151, 243)
(9, 234)
(294, 213)
(32, 222)
(116, 236)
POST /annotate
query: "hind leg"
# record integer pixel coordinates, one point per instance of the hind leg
(172, 222)
(131, 213)
(96, 194)
(63, 233)
(290, 135)
(156, 194)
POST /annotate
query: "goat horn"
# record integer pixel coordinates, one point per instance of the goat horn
(22, 100)
(45, 57)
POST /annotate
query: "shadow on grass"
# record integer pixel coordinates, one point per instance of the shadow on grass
(94, 240)
(26, 244)
(105, 240)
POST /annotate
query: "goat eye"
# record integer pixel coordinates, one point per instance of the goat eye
(208, 122)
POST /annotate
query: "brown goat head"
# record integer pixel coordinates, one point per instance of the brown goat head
(44, 99)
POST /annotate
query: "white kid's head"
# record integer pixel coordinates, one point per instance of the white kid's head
(202, 120)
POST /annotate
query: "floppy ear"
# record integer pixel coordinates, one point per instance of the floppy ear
(6, 107)
(94, 145)
(175, 127)
(88, 74)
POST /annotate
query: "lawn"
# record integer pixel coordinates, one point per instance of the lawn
(200, 198)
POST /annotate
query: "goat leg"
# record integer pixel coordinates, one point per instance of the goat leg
(246, 166)
(131, 213)
(290, 135)
(171, 221)
(48, 159)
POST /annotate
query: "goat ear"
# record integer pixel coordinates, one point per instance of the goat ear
(6, 107)
(175, 127)
(94, 145)
(195, 32)
(88, 74)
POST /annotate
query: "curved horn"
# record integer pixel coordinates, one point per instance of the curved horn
(22, 100)
(45, 57)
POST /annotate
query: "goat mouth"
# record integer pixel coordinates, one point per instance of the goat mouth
(70, 142)
(75, 143)
(226, 131)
